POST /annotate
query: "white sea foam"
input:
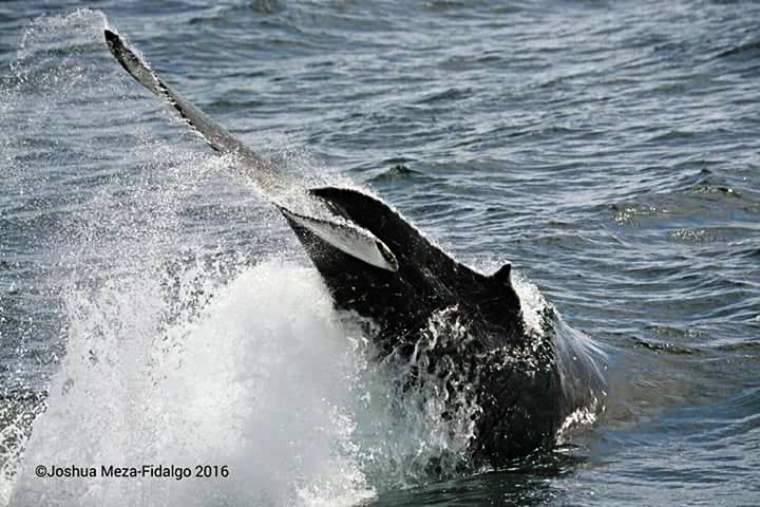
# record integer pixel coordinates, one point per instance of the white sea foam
(532, 304)
(260, 382)
(267, 379)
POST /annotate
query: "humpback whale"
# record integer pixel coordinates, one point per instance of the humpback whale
(448, 320)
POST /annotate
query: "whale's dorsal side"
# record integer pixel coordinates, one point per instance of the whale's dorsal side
(427, 279)
(503, 274)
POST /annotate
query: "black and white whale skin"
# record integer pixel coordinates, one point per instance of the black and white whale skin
(447, 320)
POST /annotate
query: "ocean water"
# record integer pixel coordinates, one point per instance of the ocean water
(154, 309)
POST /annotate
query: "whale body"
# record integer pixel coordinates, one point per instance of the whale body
(446, 319)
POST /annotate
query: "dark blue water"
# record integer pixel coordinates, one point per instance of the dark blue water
(154, 309)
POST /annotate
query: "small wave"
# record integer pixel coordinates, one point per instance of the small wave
(624, 214)
(748, 49)
(446, 95)
(672, 135)
(709, 234)
(666, 347)
(397, 172)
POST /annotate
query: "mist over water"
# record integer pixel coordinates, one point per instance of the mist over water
(154, 309)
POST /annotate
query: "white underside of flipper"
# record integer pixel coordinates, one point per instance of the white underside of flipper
(349, 239)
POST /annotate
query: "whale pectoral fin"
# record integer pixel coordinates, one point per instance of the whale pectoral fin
(503, 274)
(347, 238)
(217, 136)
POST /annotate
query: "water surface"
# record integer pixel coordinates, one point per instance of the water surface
(156, 309)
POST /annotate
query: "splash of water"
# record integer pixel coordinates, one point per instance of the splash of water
(260, 382)
(177, 350)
